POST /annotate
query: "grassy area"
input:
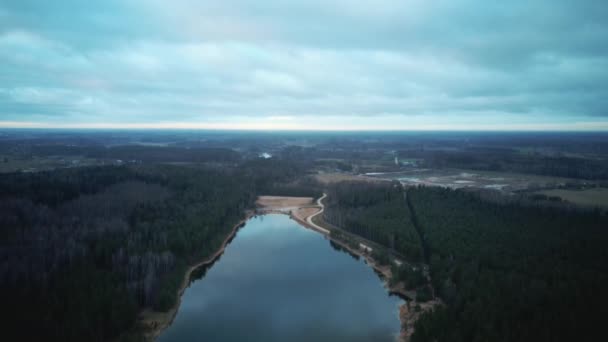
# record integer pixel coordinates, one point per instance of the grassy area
(595, 197)
(335, 177)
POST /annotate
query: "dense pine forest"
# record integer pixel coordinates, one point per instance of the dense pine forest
(84, 249)
(506, 271)
(375, 211)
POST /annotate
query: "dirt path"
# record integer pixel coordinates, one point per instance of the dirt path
(301, 209)
(309, 218)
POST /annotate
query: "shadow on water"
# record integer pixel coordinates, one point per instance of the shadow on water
(200, 272)
(339, 248)
(400, 296)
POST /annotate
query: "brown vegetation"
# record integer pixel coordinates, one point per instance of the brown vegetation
(282, 202)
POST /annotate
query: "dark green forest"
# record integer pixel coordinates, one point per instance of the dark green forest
(511, 160)
(377, 212)
(508, 272)
(83, 250)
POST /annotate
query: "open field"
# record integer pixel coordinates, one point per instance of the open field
(595, 197)
(461, 178)
(327, 178)
(281, 202)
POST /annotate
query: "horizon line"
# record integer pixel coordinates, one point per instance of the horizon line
(598, 127)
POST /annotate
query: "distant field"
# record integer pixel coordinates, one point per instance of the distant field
(278, 202)
(334, 177)
(463, 178)
(596, 197)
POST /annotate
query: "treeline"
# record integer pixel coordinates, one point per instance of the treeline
(375, 211)
(125, 153)
(280, 177)
(165, 154)
(83, 250)
(509, 272)
(510, 160)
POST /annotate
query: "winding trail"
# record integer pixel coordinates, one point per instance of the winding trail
(309, 218)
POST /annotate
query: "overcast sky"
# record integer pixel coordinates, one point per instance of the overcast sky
(305, 64)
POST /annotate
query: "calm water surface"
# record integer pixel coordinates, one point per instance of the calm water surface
(278, 281)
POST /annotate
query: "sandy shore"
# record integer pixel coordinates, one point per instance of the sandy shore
(282, 202)
(303, 213)
(153, 323)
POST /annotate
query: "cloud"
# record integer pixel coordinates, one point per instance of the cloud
(315, 62)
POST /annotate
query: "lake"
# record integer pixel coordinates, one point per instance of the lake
(278, 281)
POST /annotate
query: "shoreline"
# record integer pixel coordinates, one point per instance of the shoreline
(407, 314)
(153, 323)
(384, 272)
